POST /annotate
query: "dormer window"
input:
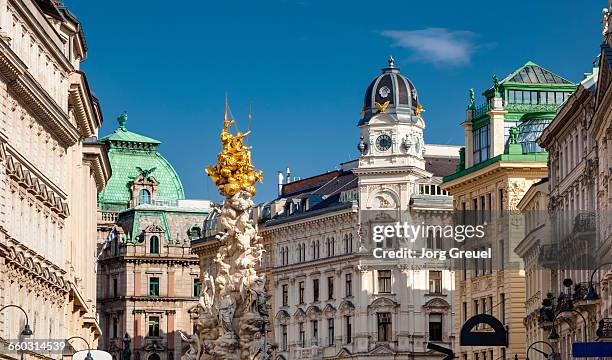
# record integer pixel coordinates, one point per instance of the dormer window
(154, 245)
(144, 197)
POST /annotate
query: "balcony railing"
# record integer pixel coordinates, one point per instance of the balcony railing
(585, 222)
(531, 107)
(156, 202)
(549, 256)
(107, 216)
(481, 110)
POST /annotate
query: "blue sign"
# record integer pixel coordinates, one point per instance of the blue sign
(592, 349)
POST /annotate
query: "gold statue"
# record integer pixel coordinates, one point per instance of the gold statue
(233, 171)
(382, 108)
(419, 110)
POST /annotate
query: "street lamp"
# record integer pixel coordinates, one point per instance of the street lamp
(27, 331)
(591, 293)
(554, 335)
(88, 356)
(551, 356)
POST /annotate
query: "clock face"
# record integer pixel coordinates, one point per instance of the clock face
(383, 142)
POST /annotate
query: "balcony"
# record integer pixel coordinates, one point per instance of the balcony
(481, 110)
(585, 222)
(549, 256)
(107, 217)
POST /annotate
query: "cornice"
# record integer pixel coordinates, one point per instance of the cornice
(320, 219)
(97, 157)
(81, 101)
(27, 180)
(45, 32)
(35, 97)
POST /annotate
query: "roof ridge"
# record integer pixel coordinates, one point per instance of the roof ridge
(531, 63)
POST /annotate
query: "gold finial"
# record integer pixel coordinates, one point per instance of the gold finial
(233, 171)
(419, 110)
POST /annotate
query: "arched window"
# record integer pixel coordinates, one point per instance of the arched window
(286, 255)
(318, 249)
(346, 245)
(350, 243)
(282, 256)
(144, 196)
(154, 245)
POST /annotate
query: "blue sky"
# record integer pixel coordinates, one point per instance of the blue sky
(305, 66)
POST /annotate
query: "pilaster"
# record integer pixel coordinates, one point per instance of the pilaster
(497, 114)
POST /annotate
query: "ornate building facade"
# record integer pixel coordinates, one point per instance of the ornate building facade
(500, 162)
(148, 278)
(572, 219)
(51, 169)
(331, 297)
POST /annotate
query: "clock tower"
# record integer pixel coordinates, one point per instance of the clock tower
(391, 142)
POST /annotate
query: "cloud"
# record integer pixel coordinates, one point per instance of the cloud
(439, 46)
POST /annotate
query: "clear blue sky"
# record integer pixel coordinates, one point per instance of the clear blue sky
(306, 64)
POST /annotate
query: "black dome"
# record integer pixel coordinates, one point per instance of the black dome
(395, 88)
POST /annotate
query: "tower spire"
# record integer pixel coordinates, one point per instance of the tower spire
(391, 61)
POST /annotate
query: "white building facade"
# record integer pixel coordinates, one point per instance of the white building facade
(332, 298)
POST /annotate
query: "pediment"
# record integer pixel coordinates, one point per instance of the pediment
(381, 350)
(344, 352)
(299, 313)
(329, 310)
(282, 314)
(346, 306)
(154, 229)
(437, 303)
(383, 302)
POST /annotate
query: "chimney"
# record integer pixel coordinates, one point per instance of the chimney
(288, 175)
(281, 178)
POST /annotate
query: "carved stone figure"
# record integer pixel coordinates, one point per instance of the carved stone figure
(232, 313)
(193, 353)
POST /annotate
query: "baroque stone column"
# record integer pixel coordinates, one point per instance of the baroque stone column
(232, 313)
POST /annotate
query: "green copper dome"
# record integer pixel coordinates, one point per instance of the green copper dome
(130, 155)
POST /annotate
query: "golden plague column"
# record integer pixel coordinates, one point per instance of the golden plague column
(233, 314)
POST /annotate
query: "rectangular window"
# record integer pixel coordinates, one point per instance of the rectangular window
(384, 281)
(435, 327)
(301, 292)
(315, 290)
(465, 311)
(115, 287)
(490, 308)
(285, 294)
(302, 335)
(349, 285)
(476, 307)
(349, 329)
(284, 337)
(115, 327)
(330, 331)
(435, 282)
(154, 286)
(384, 326)
(197, 288)
(511, 97)
(315, 332)
(154, 326)
(330, 287)
(502, 308)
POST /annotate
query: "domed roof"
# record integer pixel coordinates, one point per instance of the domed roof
(129, 153)
(391, 93)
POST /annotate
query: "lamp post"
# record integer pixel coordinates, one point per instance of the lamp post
(554, 335)
(591, 293)
(552, 356)
(27, 331)
(88, 356)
